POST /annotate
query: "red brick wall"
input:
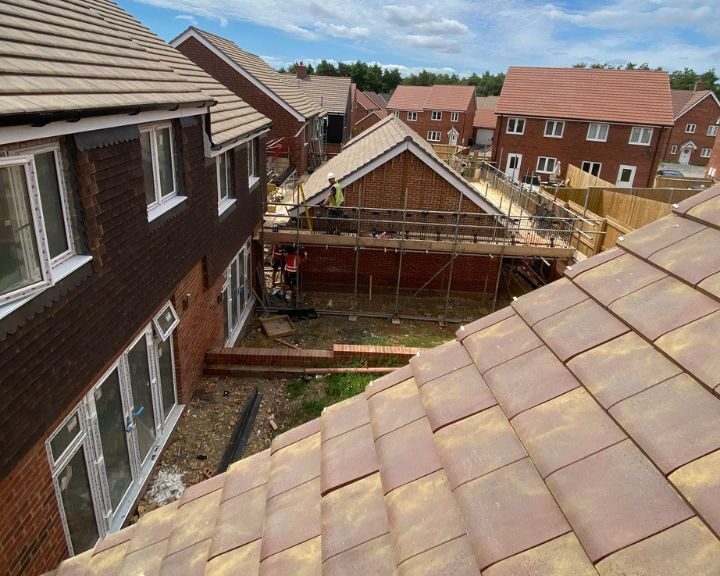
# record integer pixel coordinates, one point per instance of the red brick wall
(702, 115)
(574, 148)
(367, 121)
(284, 123)
(715, 159)
(424, 124)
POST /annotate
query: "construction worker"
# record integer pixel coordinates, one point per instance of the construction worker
(334, 201)
(278, 254)
(291, 268)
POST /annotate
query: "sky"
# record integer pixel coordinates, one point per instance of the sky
(461, 36)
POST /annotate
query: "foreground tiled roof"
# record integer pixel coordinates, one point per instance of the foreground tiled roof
(439, 97)
(683, 100)
(576, 433)
(632, 96)
(283, 87)
(329, 92)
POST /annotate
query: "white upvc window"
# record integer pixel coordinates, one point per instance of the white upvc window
(598, 132)
(158, 158)
(454, 116)
(546, 165)
(515, 126)
(554, 128)
(705, 152)
(412, 116)
(35, 226)
(433, 136)
(226, 180)
(690, 128)
(253, 167)
(591, 167)
(396, 113)
(237, 293)
(641, 135)
(712, 130)
(436, 115)
(673, 149)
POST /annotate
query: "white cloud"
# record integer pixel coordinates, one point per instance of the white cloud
(342, 31)
(189, 18)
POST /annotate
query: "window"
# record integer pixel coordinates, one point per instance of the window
(546, 165)
(412, 116)
(554, 128)
(673, 149)
(626, 176)
(253, 163)
(433, 136)
(226, 180)
(712, 130)
(103, 453)
(641, 135)
(35, 225)
(516, 126)
(591, 167)
(690, 128)
(454, 116)
(237, 297)
(436, 115)
(705, 152)
(396, 113)
(158, 157)
(598, 132)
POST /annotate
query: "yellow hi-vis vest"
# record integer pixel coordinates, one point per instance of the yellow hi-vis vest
(337, 198)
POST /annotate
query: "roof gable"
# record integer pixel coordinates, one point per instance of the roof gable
(622, 96)
(685, 100)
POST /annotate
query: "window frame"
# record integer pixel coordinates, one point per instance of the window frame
(690, 128)
(515, 119)
(160, 200)
(545, 170)
(704, 155)
(591, 163)
(454, 116)
(436, 115)
(712, 130)
(224, 202)
(673, 149)
(554, 124)
(234, 330)
(599, 126)
(396, 113)
(413, 118)
(165, 334)
(439, 136)
(252, 152)
(642, 131)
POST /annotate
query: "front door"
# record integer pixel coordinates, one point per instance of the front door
(626, 176)
(512, 168)
(452, 137)
(685, 153)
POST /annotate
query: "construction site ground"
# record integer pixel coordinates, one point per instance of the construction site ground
(207, 424)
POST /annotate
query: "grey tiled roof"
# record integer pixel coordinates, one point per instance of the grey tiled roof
(332, 93)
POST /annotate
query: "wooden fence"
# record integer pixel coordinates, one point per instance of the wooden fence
(580, 179)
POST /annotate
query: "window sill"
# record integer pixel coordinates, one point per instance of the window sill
(226, 204)
(166, 206)
(60, 272)
(551, 136)
(515, 133)
(253, 181)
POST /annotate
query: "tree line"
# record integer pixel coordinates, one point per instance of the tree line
(373, 78)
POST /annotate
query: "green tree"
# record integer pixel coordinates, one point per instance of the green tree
(326, 68)
(391, 77)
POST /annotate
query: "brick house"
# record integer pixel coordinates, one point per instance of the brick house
(440, 114)
(614, 124)
(367, 111)
(485, 120)
(296, 119)
(127, 206)
(697, 114)
(332, 94)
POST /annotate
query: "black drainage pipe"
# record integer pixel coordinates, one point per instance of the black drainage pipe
(241, 434)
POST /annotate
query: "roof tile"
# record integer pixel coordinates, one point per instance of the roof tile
(589, 263)
(615, 498)
(194, 522)
(346, 458)
(395, 407)
(477, 446)
(352, 515)
(674, 422)
(189, 561)
(203, 489)
(244, 560)
(565, 430)
(548, 300)
(410, 506)
(153, 527)
(76, 565)
(620, 368)
(484, 322)
(407, 454)
(343, 417)
(294, 465)
(295, 435)
(114, 539)
(387, 381)
(711, 285)
(500, 343)
(562, 556)
(107, 562)
(251, 507)
(688, 549)
(658, 235)
(453, 558)
(439, 361)
(696, 348)
(509, 511)
(247, 474)
(374, 557)
(690, 259)
(529, 380)
(699, 482)
(291, 518)
(690, 203)
(300, 560)
(618, 278)
(146, 561)
(708, 211)
(578, 329)
(437, 97)
(455, 396)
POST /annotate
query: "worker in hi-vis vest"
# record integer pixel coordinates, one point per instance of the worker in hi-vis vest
(334, 201)
(291, 266)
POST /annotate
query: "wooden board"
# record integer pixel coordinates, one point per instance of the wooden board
(277, 326)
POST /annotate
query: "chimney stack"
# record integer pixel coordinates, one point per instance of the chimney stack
(699, 86)
(301, 71)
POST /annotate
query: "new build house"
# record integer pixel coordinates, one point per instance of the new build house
(297, 120)
(440, 114)
(614, 124)
(367, 111)
(130, 187)
(485, 120)
(697, 115)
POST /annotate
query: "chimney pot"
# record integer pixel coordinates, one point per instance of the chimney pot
(699, 86)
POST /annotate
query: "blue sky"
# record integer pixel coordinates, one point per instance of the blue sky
(454, 35)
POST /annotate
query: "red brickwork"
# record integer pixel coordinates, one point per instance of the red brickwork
(703, 115)
(714, 162)
(424, 124)
(364, 122)
(574, 148)
(285, 125)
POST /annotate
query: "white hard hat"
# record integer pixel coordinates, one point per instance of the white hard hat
(331, 175)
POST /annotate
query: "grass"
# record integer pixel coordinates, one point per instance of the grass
(424, 340)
